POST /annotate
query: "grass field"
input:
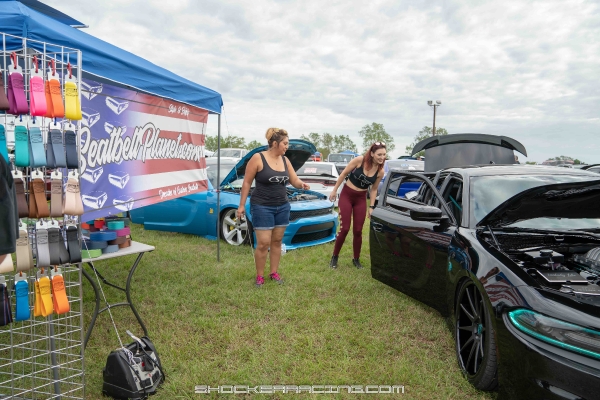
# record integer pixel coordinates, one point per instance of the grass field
(211, 326)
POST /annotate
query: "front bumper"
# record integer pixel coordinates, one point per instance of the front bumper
(532, 369)
(311, 231)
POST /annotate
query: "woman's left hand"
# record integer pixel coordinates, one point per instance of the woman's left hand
(305, 186)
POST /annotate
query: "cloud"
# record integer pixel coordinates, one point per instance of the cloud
(525, 69)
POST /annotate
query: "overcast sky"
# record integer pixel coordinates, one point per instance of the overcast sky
(526, 69)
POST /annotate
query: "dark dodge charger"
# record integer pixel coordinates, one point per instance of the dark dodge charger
(510, 255)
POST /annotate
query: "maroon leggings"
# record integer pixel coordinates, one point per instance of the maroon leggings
(351, 203)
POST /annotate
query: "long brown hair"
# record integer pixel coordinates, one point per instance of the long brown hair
(368, 158)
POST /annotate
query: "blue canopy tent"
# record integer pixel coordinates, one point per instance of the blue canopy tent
(100, 59)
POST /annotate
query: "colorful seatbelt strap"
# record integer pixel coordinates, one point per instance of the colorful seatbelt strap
(22, 300)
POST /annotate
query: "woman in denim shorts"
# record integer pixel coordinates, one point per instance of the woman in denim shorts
(269, 202)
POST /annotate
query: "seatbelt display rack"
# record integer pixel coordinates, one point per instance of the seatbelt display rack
(42, 339)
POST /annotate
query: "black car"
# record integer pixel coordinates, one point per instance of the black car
(593, 168)
(509, 254)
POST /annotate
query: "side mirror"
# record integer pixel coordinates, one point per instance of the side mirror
(425, 213)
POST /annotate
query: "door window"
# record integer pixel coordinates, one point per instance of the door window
(452, 194)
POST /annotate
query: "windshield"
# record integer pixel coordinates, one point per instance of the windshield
(315, 169)
(237, 153)
(488, 192)
(340, 157)
(211, 172)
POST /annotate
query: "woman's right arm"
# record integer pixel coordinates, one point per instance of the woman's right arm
(251, 171)
(354, 163)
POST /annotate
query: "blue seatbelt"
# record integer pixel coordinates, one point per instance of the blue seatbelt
(36, 150)
(56, 148)
(22, 301)
(21, 146)
(3, 149)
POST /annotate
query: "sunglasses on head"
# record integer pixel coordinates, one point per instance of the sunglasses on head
(379, 144)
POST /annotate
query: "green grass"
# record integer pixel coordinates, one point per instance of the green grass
(211, 326)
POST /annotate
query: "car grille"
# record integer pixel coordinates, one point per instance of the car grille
(294, 215)
(310, 237)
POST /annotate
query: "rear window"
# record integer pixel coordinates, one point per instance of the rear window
(340, 157)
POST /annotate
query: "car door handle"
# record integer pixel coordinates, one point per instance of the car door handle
(377, 227)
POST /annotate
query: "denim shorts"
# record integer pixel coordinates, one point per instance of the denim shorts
(269, 217)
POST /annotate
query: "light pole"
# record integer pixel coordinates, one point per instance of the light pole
(434, 105)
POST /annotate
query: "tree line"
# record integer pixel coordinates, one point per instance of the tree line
(325, 142)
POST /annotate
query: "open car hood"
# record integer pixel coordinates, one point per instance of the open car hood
(563, 200)
(299, 151)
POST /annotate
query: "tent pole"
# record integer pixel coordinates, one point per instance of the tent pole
(218, 188)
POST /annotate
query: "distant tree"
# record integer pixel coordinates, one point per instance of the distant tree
(577, 162)
(210, 142)
(530, 162)
(424, 134)
(376, 133)
(312, 137)
(341, 143)
(254, 144)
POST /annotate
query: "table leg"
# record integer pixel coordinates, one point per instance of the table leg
(127, 291)
(96, 307)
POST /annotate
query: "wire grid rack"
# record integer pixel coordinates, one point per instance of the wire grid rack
(43, 357)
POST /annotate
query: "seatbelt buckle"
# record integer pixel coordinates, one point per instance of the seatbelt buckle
(21, 120)
(41, 224)
(73, 174)
(55, 271)
(17, 174)
(21, 276)
(41, 273)
(37, 174)
(56, 174)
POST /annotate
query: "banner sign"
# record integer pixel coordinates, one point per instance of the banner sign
(137, 149)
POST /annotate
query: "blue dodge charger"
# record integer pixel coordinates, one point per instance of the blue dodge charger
(313, 219)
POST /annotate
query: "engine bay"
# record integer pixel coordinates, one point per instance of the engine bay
(568, 263)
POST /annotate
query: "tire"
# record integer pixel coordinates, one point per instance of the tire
(234, 233)
(474, 338)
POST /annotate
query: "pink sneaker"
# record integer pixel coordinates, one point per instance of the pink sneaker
(275, 277)
(259, 281)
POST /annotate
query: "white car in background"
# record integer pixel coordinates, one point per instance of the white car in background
(231, 153)
(321, 176)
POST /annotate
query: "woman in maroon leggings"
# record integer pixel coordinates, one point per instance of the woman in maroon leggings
(363, 172)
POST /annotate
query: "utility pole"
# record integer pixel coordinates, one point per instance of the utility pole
(435, 105)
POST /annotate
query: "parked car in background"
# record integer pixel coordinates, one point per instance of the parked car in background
(592, 168)
(321, 176)
(313, 219)
(340, 160)
(401, 163)
(509, 255)
(231, 152)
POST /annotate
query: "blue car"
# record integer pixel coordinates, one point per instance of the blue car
(313, 219)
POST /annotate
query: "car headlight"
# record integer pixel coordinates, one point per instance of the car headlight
(558, 333)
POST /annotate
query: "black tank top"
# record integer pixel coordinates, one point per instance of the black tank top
(360, 180)
(270, 185)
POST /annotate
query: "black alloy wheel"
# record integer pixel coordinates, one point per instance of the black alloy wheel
(474, 336)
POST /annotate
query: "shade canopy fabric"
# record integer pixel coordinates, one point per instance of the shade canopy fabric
(102, 59)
